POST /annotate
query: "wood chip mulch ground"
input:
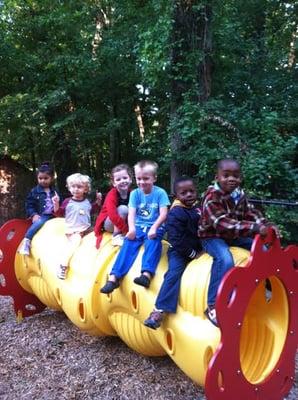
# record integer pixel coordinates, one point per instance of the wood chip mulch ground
(47, 358)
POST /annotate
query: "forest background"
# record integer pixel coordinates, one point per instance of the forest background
(88, 84)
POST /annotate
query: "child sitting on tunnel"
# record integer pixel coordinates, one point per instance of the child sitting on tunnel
(181, 226)
(227, 220)
(147, 212)
(40, 204)
(113, 215)
(76, 210)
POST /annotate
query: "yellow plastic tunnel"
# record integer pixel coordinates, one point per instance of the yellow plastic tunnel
(250, 357)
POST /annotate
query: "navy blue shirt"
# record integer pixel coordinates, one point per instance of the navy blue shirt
(182, 229)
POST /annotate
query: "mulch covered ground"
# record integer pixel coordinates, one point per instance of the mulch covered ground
(47, 358)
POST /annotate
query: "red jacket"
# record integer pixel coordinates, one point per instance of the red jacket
(109, 209)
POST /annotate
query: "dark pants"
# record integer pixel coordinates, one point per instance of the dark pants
(222, 260)
(35, 227)
(129, 251)
(167, 298)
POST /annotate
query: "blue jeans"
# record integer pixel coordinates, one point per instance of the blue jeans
(37, 225)
(167, 298)
(129, 251)
(222, 260)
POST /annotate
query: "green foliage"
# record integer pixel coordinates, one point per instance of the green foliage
(69, 86)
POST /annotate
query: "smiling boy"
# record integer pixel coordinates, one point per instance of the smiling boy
(147, 212)
(227, 220)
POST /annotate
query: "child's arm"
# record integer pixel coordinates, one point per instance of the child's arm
(56, 201)
(179, 233)
(61, 210)
(163, 211)
(31, 205)
(98, 198)
(253, 214)
(216, 215)
(131, 234)
(96, 204)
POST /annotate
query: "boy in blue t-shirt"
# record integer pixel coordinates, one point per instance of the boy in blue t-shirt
(147, 212)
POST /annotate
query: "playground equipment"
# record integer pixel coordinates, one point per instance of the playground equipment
(251, 356)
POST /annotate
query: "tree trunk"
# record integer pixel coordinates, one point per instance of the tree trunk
(191, 35)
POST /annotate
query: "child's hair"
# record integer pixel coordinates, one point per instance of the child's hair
(221, 162)
(180, 179)
(149, 165)
(47, 168)
(121, 167)
(79, 178)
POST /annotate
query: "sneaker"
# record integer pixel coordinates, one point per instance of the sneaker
(109, 287)
(142, 280)
(210, 313)
(25, 247)
(154, 320)
(62, 271)
(117, 240)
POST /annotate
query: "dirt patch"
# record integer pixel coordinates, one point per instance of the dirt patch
(47, 358)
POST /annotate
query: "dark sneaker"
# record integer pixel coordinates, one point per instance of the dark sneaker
(109, 287)
(210, 313)
(155, 319)
(142, 280)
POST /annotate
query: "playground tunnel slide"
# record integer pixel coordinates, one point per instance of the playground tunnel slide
(252, 354)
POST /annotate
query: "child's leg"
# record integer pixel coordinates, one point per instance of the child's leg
(73, 241)
(34, 228)
(167, 298)
(108, 224)
(123, 213)
(127, 255)
(222, 262)
(152, 252)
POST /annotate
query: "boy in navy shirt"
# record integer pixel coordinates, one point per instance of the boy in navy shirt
(181, 226)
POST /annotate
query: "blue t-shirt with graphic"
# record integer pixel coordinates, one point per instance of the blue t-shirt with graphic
(147, 205)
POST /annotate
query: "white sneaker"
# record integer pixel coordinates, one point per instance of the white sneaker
(25, 247)
(117, 240)
(62, 271)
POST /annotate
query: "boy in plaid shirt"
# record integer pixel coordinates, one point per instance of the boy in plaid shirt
(227, 220)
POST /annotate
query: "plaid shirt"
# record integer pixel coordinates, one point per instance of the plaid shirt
(223, 218)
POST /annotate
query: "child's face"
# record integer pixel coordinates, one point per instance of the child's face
(229, 176)
(78, 190)
(186, 193)
(145, 179)
(121, 180)
(45, 180)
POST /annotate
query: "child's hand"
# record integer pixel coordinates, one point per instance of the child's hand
(56, 200)
(131, 234)
(152, 233)
(275, 229)
(35, 218)
(98, 198)
(263, 230)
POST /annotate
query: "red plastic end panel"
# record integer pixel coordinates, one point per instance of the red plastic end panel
(225, 378)
(11, 234)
